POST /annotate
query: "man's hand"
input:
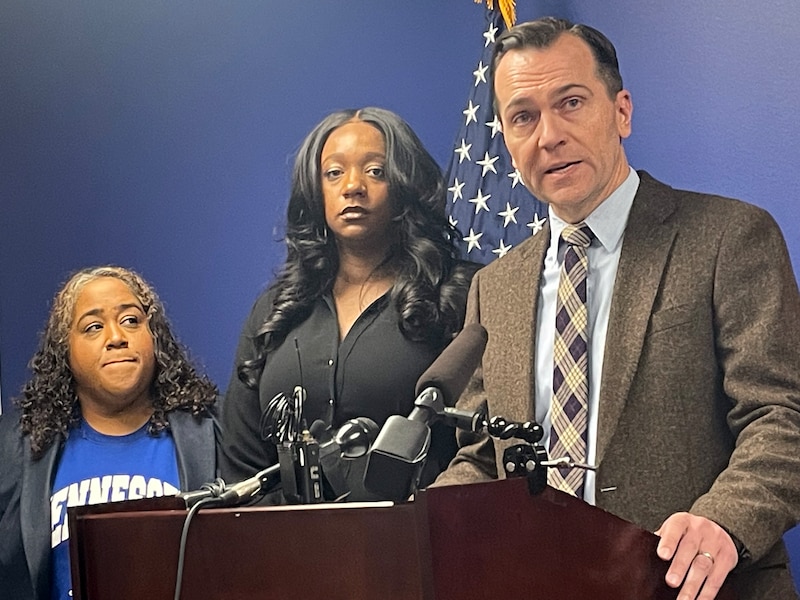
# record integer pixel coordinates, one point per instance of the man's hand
(702, 555)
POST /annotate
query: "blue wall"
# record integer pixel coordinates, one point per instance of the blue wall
(158, 135)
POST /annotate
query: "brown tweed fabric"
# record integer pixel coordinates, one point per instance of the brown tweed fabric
(699, 405)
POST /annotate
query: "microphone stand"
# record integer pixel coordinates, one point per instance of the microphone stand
(521, 460)
(528, 460)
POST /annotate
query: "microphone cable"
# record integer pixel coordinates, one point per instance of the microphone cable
(184, 536)
(282, 419)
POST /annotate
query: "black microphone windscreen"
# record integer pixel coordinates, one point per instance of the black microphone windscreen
(451, 371)
(355, 437)
(318, 429)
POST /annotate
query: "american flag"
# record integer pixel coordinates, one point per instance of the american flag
(487, 201)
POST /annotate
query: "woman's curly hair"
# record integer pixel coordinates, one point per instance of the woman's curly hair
(49, 405)
(430, 285)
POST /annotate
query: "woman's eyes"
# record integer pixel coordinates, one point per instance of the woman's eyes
(378, 172)
(130, 320)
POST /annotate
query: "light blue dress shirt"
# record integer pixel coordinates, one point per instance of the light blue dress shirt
(607, 221)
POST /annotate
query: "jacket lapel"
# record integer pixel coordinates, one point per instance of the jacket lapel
(34, 515)
(510, 316)
(509, 312)
(194, 442)
(194, 445)
(531, 280)
(645, 250)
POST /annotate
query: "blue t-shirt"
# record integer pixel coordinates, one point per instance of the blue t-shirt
(96, 468)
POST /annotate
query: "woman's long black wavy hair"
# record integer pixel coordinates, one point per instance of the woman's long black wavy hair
(49, 405)
(429, 289)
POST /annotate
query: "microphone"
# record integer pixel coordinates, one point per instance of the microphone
(230, 495)
(470, 421)
(443, 382)
(301, 477)
(247, 489)
(352, 440)
(396, 460)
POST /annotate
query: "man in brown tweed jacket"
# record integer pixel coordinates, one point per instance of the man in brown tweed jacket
(694, 327)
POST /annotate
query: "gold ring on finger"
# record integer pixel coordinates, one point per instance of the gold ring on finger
(708, 555)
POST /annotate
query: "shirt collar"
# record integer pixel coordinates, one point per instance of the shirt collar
(608, 220)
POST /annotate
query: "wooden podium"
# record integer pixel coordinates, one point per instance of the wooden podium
(480, 541)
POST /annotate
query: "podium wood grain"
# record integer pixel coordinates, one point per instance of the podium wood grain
(482, 541)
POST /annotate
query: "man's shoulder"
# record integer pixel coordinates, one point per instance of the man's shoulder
(692, 201)
(693, 209)
(509, 265)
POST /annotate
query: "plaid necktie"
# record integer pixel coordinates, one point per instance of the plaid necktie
(571, 363)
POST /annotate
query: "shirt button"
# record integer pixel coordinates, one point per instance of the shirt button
(330, 362)
(330, 401)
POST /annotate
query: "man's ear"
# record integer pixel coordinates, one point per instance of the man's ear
(623, 106)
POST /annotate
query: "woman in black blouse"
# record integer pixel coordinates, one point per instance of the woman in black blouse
(370, 293)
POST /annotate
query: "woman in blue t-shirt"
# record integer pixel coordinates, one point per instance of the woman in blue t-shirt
(113, 411)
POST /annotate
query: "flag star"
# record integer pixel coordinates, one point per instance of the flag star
(470, 111)
(509, 215)
(472, 240)
(456, 189)
(463, 151)
(537, 224)
(487, 163)
(480, 201)
(480, 73)
(501, 250)
(453, 220)
(495, 125)
(474, 191)
(489, 35)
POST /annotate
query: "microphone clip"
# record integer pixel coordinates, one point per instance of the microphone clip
(526, 460)
(530, 459)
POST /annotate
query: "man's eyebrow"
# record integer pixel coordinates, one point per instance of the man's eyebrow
(560, 91)
(569, 87)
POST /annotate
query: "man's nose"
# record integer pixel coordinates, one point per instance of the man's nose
(550, 131)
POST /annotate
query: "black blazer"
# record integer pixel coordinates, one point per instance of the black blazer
(25, 498)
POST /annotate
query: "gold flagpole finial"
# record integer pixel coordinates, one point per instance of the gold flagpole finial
(507, 9)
